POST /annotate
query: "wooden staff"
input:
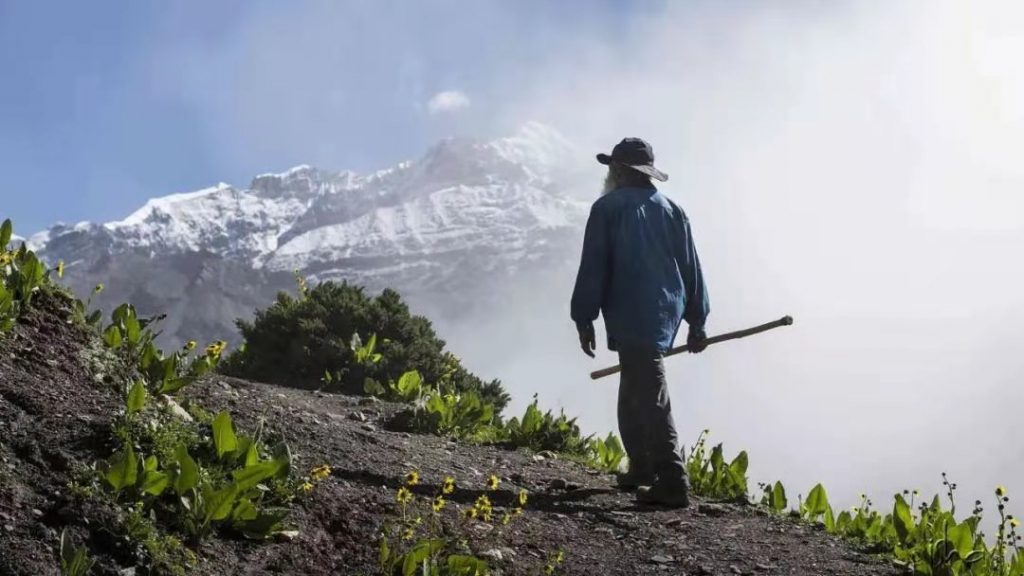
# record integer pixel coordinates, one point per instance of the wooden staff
(784, 321)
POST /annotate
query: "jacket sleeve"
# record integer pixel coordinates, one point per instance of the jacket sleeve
(592, 278)
(697, 305)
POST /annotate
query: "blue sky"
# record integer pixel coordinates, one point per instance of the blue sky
(106, 104)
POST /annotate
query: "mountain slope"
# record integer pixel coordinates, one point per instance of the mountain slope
(55, 417)
(458, 225)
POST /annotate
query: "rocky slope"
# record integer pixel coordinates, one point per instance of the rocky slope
(55, 422)
(460, 225)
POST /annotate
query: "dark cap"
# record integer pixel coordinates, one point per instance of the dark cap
(634, 153)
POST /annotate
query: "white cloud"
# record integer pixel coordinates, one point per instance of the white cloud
(447, 101)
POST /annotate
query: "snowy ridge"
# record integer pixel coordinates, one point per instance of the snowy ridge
(466, 216)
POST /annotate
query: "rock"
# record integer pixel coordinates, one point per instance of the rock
(735, 569)
(662, 559)
(368, 427)
(674, 523)
(357, 416)
(493, 554)
(172, 406)
(8, 528)
(37, 512)
(547, 454)
(558, 484)
(126, 572)
(713, 510)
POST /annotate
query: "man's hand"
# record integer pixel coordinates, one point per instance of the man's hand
(695, 340)
(587, 339)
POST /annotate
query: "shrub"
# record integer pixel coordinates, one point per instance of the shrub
(297, 340)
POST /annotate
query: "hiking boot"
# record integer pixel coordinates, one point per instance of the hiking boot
(634, 479)
(661, 494)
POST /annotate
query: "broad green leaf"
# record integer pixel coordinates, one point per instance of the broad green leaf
(962, 538)
(423, 551)
(136, 398)
(154, 482)
(112, 337)
(409, 385)
(188, 472)
(224, 439)
(244, 511)
(220, 503)
(6, 233)
(778, 500)
(124, 469)
(247, 478)
(817, 502)
(902, 519)
(459, 565)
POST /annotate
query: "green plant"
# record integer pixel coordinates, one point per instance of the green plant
(74, 561)
(606, 455)
(544, 431)
(22, 275)
(710, 476)
(422, 541)
(300, 341)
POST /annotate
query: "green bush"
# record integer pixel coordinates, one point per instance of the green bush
(297, 340)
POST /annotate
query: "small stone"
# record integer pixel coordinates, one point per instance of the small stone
(368, 427)
(735, 569)
(713, 510)
(662, 559)
(8, 528)
(357, 416)
(127, 572)
(558, 484)
(368, 400)
(493, 554)
(762, 567)
(547, 454)
(37, 512)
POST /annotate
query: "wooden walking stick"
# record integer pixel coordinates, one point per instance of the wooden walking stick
(784, 321)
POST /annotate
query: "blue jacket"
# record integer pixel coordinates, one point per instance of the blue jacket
(640, 269)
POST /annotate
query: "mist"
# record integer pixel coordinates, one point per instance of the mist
(853, 164)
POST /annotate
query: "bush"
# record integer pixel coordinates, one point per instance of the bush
(296, 341)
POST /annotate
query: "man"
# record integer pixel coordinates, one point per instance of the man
(639, 269)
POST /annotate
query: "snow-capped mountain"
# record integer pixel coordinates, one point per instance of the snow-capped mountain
(451, 230)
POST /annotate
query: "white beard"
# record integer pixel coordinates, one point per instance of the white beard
(609, 183)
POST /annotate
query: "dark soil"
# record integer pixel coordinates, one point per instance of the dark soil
(54, 420)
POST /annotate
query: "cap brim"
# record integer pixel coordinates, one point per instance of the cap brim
(642, 168)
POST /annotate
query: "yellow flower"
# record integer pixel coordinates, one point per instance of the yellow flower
(216, 348)
(506, 519)
(97, 289)
(1014, 522)
(470, 513)
(449, 485)
(60, 269)
(320, 472)
(549, 569)
(1000, 491)
(190, 345)
(439, 503)
(404, 496)
(560, 557)
(407, 534)
(307, 487)
(493, 482)
(522, 497)
(412, 478)
(517, 511)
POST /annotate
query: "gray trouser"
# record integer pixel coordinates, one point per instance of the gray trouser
(645, 416)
